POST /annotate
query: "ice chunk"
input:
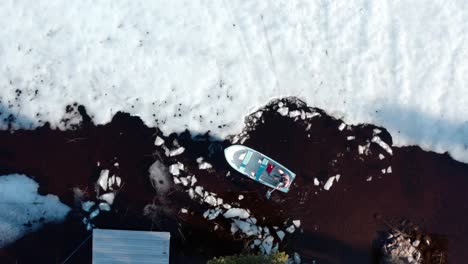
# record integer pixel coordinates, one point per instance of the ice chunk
(199, 160)
(389, 169)
(176, 151)
(283, 111)
(376, 131)
(204, 166)
(214, 213)
(199, 190)
(236, 212)
(294, 113)
(116, 164)
(280, 234)
(266, 230)
(382, 144)
(184, 210)
(220, 201)
(297, 223)
(158, 141)
(108, 197)
(316, 182)
(329, 183)
(291, 229)
(103, 178)
(257, 242)
(234, 228)
(227, 206)
(180, 166)
(240, 197)
(383, 171)
(193, 180)
(381, 156)
(337, 177)
(86, 206)
(361, 149)
(267, 244)
(184, 181)
(211, 200)
(94, 213)
(351, 138)
(342, 126)
(297, 258)
(104, 207)
(308, 127)
(176, 180)
(174, 169)
(191, 193)
(369, 178)
(312, 115)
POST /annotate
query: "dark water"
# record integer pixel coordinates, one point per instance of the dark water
(338, 226)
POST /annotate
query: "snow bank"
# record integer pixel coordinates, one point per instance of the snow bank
(23, 210)
(365, 62)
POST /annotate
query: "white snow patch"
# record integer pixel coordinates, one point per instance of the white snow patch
(183, 210)
(280, 234)
(23, 210)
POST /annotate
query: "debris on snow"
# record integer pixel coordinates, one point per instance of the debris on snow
(158, 141)
(342, 126)
(283, 111)
(176, 151)
(236, 212)
(204, 166)
(329, 183)
(382, 144)
(234, 228)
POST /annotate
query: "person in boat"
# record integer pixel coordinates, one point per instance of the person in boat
(284, 180)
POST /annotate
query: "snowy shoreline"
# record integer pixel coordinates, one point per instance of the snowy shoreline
(205, 66)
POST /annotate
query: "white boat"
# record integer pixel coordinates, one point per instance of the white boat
(259, 167)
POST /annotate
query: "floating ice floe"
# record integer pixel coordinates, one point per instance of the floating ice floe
(329, 183)
(382, 144)
(369, 178)
(108, 198)
(337, 177)
(294, 113)
(94, 213)
(181, 166)
(193, 180)
(283, 111)
(227, 206)
(351, 138)
(176, 180)
(280, 234)
(381, 156)
(199, 160)
(184, 181)
(291, 229)
(383, 171)
(316, 182)
(342, 126)
(199, 190)
(312, 115)
(389, 169)
(158, 141)
(267, 244)
(212, 213)
(174, 169)
(86, 206)
(176, 151)
(104, 207)
(191, 193)
(184, 211)
(234, 228)
(236, 212)
(376, 131)
(297, 223)
(240, 197)
(308, 127)
(211, 200)
(103, 179)
(204, 166)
